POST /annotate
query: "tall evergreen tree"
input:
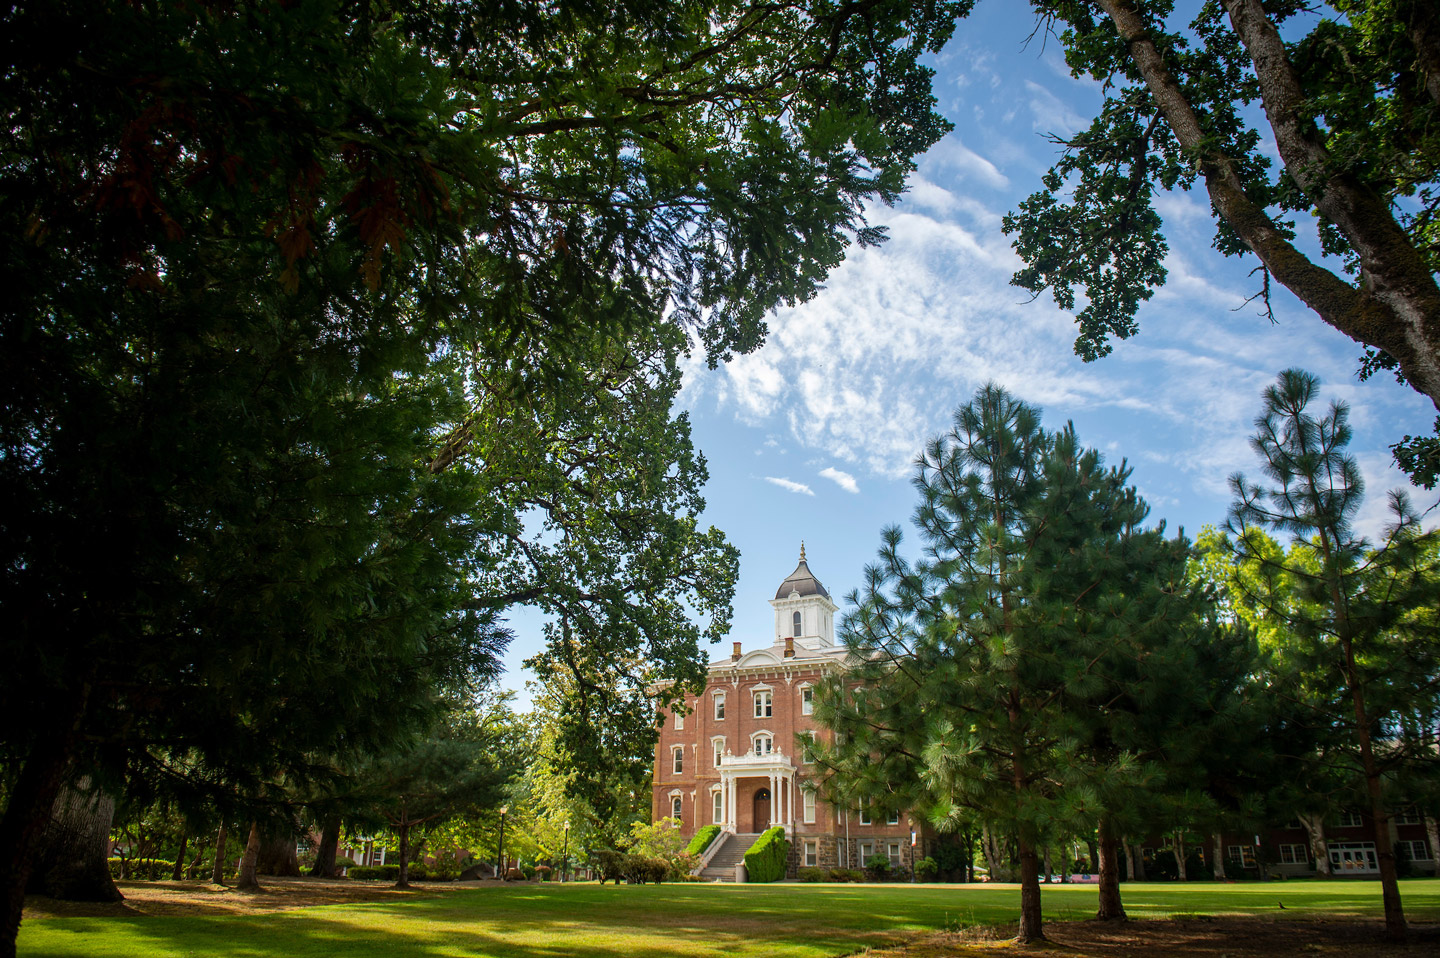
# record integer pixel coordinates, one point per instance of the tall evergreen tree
(973, 671)
(1354, 613)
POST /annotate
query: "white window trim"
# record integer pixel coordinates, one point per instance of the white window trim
(768, 710)
(717, 746)
(864, 815)
(1297, 853)
(677, 759)
(770, 738)
(807, 706)
(717, 805)
(679, 719)
(808, 806)
(807, 739)
(812, 853)
(893, 818)
(718, 705)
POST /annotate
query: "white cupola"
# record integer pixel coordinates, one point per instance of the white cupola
(803, 610)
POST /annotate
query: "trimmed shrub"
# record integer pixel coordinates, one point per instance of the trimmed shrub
(702, 840)
(926, 869)
(378, 872)
(765, 861)
(877, 868)
(814, 875)
(141, 869)
(515, 874)
(609, 865)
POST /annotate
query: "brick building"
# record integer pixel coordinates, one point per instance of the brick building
(731, 757)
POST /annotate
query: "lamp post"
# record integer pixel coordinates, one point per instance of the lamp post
(501, 855)
(565, 856)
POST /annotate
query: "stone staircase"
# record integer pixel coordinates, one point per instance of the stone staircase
(721, 866)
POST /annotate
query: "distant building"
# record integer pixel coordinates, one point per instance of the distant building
(729, 757)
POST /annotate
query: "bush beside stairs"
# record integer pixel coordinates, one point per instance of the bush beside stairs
(731, 853)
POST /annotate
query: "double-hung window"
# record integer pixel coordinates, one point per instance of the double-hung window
(764, 704)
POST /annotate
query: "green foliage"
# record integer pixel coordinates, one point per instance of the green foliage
(1360, 637)
(386, 872)
(813, 875)
(767, 858)
(1350, 97)
(926, 869)
(631, 869)
(321, 349)
(702, 840)
(1024, 670)
(877, 868)
(141, 869)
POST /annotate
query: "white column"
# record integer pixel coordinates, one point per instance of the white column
(790, 800)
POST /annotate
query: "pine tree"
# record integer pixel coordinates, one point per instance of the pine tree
(975, 671)
(1363, 615)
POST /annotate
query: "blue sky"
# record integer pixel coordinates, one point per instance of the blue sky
(813, 437)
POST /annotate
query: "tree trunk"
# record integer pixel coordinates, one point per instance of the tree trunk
(1178, 850)
(245, 878)
(1432, 832)
(217, 871)
(277, 856)
(1031, 929)
(179, 871)
(1395, 929)
(1047, 864)
(1094, 855)
(324, 866)
(990, 848)
(1111, 908)
(1217, 857)
(1319, 850)
(70, 857)
(1129, 860)
(1137, 862)
(31, 800)
(403, 879)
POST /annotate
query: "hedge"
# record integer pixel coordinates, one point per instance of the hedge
(142, 869)
(702, 840)
(765, 861)
(631, 869)
(375, 872)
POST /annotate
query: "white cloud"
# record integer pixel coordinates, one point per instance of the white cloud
(790, 486)
(842, 479)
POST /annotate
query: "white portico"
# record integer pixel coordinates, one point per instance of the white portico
(774, 805)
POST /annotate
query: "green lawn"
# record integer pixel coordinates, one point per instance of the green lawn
(585, 920)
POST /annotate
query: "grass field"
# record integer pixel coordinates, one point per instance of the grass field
(590, 921)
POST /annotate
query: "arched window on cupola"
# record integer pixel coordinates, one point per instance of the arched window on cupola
(795, 623)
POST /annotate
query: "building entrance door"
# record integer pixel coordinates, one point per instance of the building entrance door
(762, 809)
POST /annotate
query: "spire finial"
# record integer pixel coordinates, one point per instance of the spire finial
(802, 550)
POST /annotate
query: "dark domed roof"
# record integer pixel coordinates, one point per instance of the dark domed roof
(802, 580)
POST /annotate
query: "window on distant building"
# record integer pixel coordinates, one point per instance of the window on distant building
(812, 853)
(763, 743)
(893, 818)
(1348, 820)
(718, 742)
(1293, 855)
(807, 701)
(867, 849)
(678, 754)
(1244, 854)
(1409, 815)
(809, 806)
(719, 706)
(717, 807)
(795, 625)
(1416, 851)
(807, 741)
(675, 806)
(679, 718)
(892, 852)
(864, 814)
(764, 704)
